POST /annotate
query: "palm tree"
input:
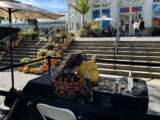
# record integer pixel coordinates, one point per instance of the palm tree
(82, 7)
(33, 22)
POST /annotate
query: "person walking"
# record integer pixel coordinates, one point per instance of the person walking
(127, 29)
(141, 27)
(136, 27)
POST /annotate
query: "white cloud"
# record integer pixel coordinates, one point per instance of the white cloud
(46, 4)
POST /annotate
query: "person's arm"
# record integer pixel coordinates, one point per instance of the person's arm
(84, 91)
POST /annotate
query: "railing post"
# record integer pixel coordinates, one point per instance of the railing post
(49, 68)
(36, 51)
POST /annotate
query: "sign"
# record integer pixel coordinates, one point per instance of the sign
(124, 10)
(156, 15)
(137, 9)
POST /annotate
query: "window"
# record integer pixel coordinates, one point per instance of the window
(156, 0)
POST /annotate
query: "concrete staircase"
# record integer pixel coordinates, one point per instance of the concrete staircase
(25, 49)
(134, 50)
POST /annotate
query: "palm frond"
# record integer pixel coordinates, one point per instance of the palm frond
(75, 8)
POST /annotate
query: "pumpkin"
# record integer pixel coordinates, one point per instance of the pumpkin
(66, 44)
(64, 48)
(31, 70)
(91, 67)
(16, 43)
(20, 69)
(38, 70)
(45, 67)
(25, 70)
(53, 62)
(58, 45)
(25, 66)
(73, 38)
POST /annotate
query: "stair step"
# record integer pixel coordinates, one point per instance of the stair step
(118, 53)
(128, 67)
(125, 73)
(111, 48)
(20, 56)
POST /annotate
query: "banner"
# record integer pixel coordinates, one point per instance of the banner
(156, 15)
(124, 10)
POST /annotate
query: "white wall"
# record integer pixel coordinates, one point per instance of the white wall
(114, 11)
(147, 12)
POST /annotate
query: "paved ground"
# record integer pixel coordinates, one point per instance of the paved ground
(21, 80)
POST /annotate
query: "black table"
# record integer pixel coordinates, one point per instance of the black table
(42, 87)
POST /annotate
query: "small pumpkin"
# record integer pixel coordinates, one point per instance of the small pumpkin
(53, 62)
(31, 70)
(58, 45)
(66, 44)
(25, 70)
(20, 69)
(73, 38)
(25, 66)
(45, 67)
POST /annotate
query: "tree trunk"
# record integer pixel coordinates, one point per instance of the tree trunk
(83, 18)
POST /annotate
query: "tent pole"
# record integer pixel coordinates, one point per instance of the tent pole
(11, 47)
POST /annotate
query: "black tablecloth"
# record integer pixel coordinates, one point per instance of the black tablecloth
(42, 87)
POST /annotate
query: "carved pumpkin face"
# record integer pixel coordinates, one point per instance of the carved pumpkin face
(92, 69)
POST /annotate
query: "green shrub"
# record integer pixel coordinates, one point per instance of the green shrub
(82, 31)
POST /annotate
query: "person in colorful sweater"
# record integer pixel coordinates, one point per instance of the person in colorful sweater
(68, 85)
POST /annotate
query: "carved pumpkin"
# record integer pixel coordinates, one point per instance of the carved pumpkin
(91, 67)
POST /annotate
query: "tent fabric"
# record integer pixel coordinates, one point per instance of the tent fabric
(25, 11)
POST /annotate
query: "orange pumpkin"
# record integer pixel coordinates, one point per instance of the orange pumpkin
(53, 62)
(25, 66)
(58, 45)
(20, 69)
(45, 67)
(66, 44)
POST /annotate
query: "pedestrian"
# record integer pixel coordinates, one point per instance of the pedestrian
(136, 27)
(141, 27)
(110, 28)
(115, 29)
(127, 29)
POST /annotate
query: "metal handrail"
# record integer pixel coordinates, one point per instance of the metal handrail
(116, 44)
(45, 37)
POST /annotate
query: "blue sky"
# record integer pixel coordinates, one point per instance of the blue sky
(51, 5)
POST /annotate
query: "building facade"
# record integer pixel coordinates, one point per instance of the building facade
(121, 11)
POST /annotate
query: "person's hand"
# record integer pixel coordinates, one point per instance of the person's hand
(87, 75)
